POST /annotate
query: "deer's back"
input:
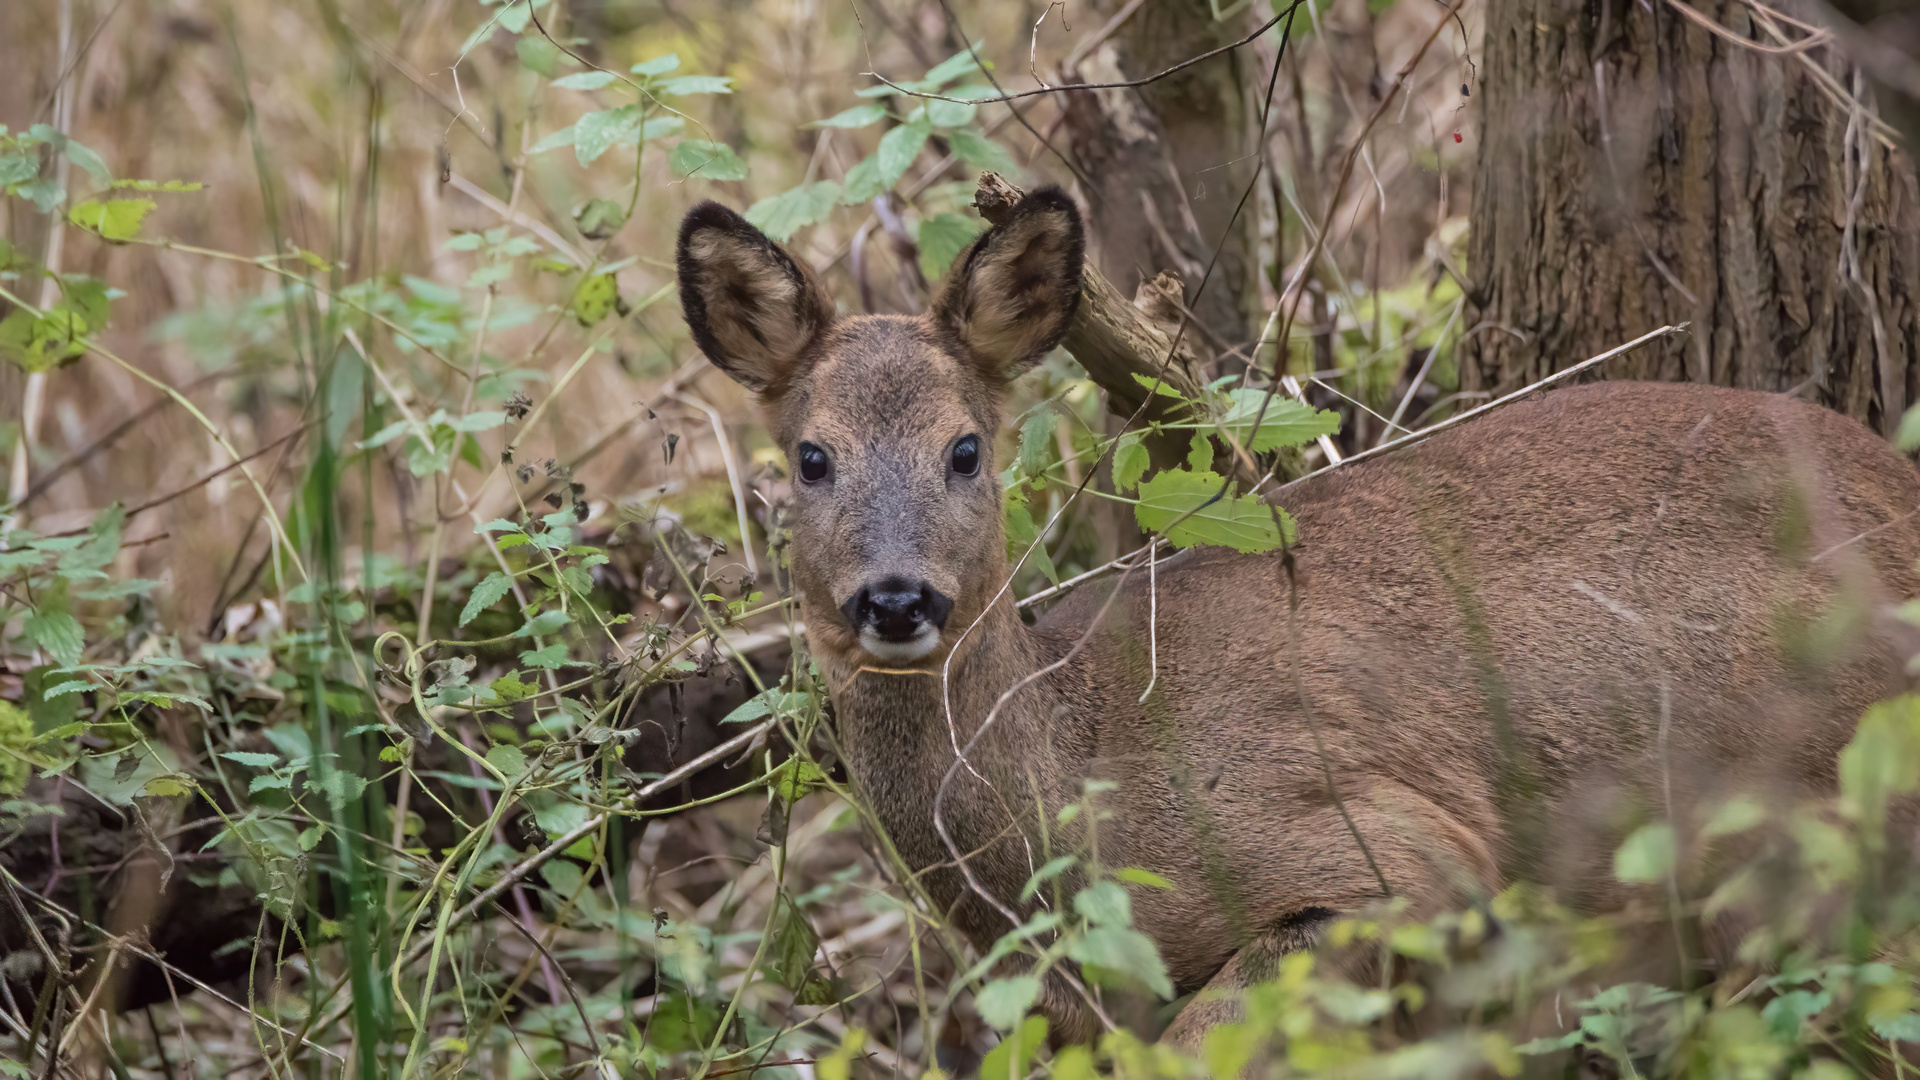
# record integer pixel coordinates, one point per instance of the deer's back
(1511, 639)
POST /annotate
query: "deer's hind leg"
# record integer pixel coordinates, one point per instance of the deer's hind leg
(1219, 1002)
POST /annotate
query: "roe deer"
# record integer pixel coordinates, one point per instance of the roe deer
(1610, 600)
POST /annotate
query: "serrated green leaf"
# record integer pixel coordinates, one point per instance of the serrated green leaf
(1200, 452)
(597, 132)
(547, 659)
(1036, 443)
(598, 219)
(497, 525)
(385, 435)
(1192, 508)
(252, 760)
(1286, 422)
(707, 161)
(659, 65)
(508, 759)
(485, 595)
(17, 167)
(58, 632)
(1130, 460)
(77, 153)
(71, 686)
(1003, 1002)
(269, 783)
(898, 148)
(857, 117)
(543, 624)
(583, 80)
(942, 238)
(1158, 386)
(784, 214)
(1104, 903)
(862, 182)
(117, 220)
(794, 945)
(1128, 952)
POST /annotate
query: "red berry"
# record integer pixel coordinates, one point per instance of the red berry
(1457, 137)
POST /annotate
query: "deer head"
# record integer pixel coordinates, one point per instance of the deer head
(887, 421)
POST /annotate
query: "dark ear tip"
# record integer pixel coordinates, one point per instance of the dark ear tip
(713, 215)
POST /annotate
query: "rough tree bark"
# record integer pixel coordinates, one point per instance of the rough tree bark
(1636, 170)
(1167, 161)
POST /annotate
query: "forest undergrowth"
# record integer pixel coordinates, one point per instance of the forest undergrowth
(401, 678)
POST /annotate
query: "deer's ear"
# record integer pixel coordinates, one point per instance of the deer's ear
(753, 308)
(1012, 295)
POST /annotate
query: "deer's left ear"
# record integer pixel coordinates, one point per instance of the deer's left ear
(1012, 295)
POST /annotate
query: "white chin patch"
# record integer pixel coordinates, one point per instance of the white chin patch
(901, 652)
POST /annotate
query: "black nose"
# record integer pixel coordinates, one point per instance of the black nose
(896, 608)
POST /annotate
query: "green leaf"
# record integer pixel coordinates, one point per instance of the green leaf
(1003, 1002)
(597, 132)
(117, 220)
(1009, 1060)
(269, 783)
(583, 80)
(794, 945)
(857, 117)
(1647, 856)
(795, 779)
(71, 686)
(549, 658)
(1137, 876)
(960, 63)
(899, 147)
(1882, 761)
(1036, 443)
(479, 421)
(981, 152)
(1200, 452)
(58, 632)
(707, 161)
(753, 708)
(485, 595)
(1104, 903)
(862, 182)
(508, 759)
(686, 85)
(1049, 870)
(1204, 515)
(537, 54)
(942, 238)
(596, 298)
(18, 167)
(553, 141)
(948, 114)
(161, 787)
(659, 65)
(1128, 952)
(662, 127)
(76, 153)
(496, 525)
(1286, 423)
(1130, 460)
(543, 624)
(252, 760)
(598, 219)
(786, 213)
(1158, 386)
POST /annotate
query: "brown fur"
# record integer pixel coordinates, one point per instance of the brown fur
(1517, 640)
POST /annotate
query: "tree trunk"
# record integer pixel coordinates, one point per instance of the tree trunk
(1686, 177)
(1167, 161)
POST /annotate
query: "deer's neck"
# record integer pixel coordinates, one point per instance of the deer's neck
(899, 732)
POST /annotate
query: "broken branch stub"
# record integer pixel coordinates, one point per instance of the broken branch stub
(1110, 337)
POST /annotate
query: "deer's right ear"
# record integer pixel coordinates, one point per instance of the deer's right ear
(752, 307)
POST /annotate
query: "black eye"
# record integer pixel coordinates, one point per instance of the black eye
(813, 463)
(966, 456)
